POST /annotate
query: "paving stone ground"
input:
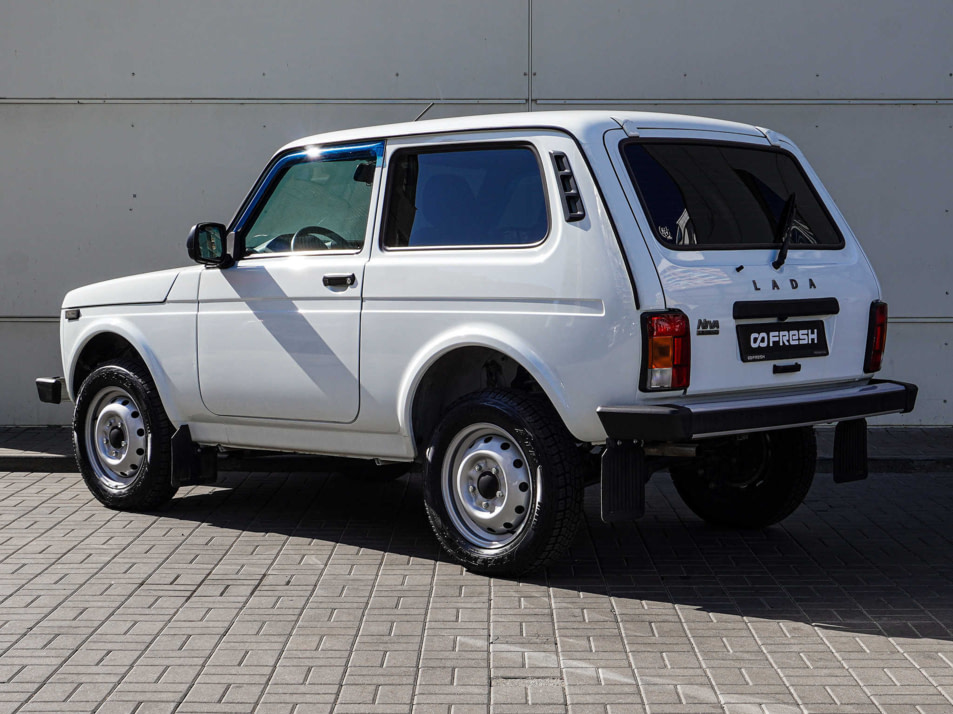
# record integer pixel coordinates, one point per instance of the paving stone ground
(315, 593)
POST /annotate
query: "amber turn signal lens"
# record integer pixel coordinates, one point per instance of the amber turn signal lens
(668, 353)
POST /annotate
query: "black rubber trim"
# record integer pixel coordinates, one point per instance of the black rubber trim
(50, 389)
(808, 307)
(673, 422)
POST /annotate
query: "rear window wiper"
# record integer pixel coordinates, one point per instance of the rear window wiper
(785, 226)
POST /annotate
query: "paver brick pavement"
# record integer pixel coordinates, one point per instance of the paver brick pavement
(313, 593)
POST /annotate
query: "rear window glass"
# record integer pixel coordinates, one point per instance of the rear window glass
(465, 198)
(709, 195)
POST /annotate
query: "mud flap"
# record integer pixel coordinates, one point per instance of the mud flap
(623, 481)
(850, 450)
(191, 464)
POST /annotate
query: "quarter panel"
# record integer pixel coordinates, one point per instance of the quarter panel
(564, 309)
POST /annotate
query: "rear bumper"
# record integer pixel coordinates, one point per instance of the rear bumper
(50, 389)
(676, 422)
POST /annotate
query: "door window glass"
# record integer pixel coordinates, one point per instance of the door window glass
(466, 198)
(314, 205)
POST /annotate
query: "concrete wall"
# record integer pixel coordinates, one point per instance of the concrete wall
(124, 122)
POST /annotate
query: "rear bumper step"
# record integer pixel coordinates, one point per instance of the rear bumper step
(676, 422)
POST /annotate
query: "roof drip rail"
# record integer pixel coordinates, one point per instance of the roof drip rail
(773, 137)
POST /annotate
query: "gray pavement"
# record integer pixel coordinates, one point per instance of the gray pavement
(293, 592)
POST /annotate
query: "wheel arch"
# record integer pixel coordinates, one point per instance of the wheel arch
(110, 339)
(456, 364)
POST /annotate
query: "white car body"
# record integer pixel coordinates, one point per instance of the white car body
(262, 354)
(372, 347)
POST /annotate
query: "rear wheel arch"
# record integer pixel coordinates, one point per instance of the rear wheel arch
(462, 370)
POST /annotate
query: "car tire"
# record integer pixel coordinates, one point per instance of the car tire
(122, 437)
(750, 481)
(503, 483)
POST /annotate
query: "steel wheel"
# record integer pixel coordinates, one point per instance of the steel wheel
(487, 485)
(502, 482)
(116, 438)
(123, 438)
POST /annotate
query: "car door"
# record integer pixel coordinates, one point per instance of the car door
(279, 332)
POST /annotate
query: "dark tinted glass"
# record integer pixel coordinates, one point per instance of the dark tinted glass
(475, 197)
(700, 195)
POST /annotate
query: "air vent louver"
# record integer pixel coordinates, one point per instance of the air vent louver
(572, 201)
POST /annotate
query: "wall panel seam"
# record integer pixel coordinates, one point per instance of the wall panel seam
(256, 100)
(831, 101)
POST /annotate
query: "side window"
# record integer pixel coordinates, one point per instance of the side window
(314, 204)
(466, 198)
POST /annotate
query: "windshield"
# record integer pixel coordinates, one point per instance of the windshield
(700, 195)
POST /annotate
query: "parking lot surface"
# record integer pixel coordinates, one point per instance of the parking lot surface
(316, 593)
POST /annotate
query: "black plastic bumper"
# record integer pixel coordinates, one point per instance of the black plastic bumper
(676, 422)
(50, 389)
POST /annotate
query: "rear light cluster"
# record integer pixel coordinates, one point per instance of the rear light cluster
(667, 353)
(876, 336)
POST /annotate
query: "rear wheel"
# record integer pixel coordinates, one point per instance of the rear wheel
(122, 437)
(503, 483)
(749, 481)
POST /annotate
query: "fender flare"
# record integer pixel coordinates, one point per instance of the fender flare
(131, 334)
(489, 336)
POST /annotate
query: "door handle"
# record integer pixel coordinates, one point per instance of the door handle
(336, 280)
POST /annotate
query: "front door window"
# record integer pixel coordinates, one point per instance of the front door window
(314, 204)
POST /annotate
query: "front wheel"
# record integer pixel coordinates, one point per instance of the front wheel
(503, 483)
(122, 437)
(749, 481)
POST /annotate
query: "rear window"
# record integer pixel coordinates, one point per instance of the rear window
(708, 195)
(465, 198)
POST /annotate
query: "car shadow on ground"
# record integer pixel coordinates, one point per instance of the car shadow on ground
(871, 558)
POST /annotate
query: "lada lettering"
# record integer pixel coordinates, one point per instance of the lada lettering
(811, 285)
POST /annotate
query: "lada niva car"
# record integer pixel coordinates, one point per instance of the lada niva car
(520, 305)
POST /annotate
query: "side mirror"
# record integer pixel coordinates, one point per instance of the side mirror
(206, 245)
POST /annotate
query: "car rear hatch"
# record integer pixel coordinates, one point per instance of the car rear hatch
(747, 244)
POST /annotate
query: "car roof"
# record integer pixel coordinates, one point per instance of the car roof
(581, 124)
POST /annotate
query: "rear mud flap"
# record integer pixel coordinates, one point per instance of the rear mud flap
(850, 450)
(624, 474)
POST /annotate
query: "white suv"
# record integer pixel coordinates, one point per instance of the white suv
(522, 304)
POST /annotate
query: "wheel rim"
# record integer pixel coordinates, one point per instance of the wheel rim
(487, 486)
(117, 441)
(749, 462)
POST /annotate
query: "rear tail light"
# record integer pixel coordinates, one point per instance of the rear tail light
(876, 336)
(667, 353)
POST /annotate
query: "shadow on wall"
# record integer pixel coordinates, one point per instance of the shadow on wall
(855, 558)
